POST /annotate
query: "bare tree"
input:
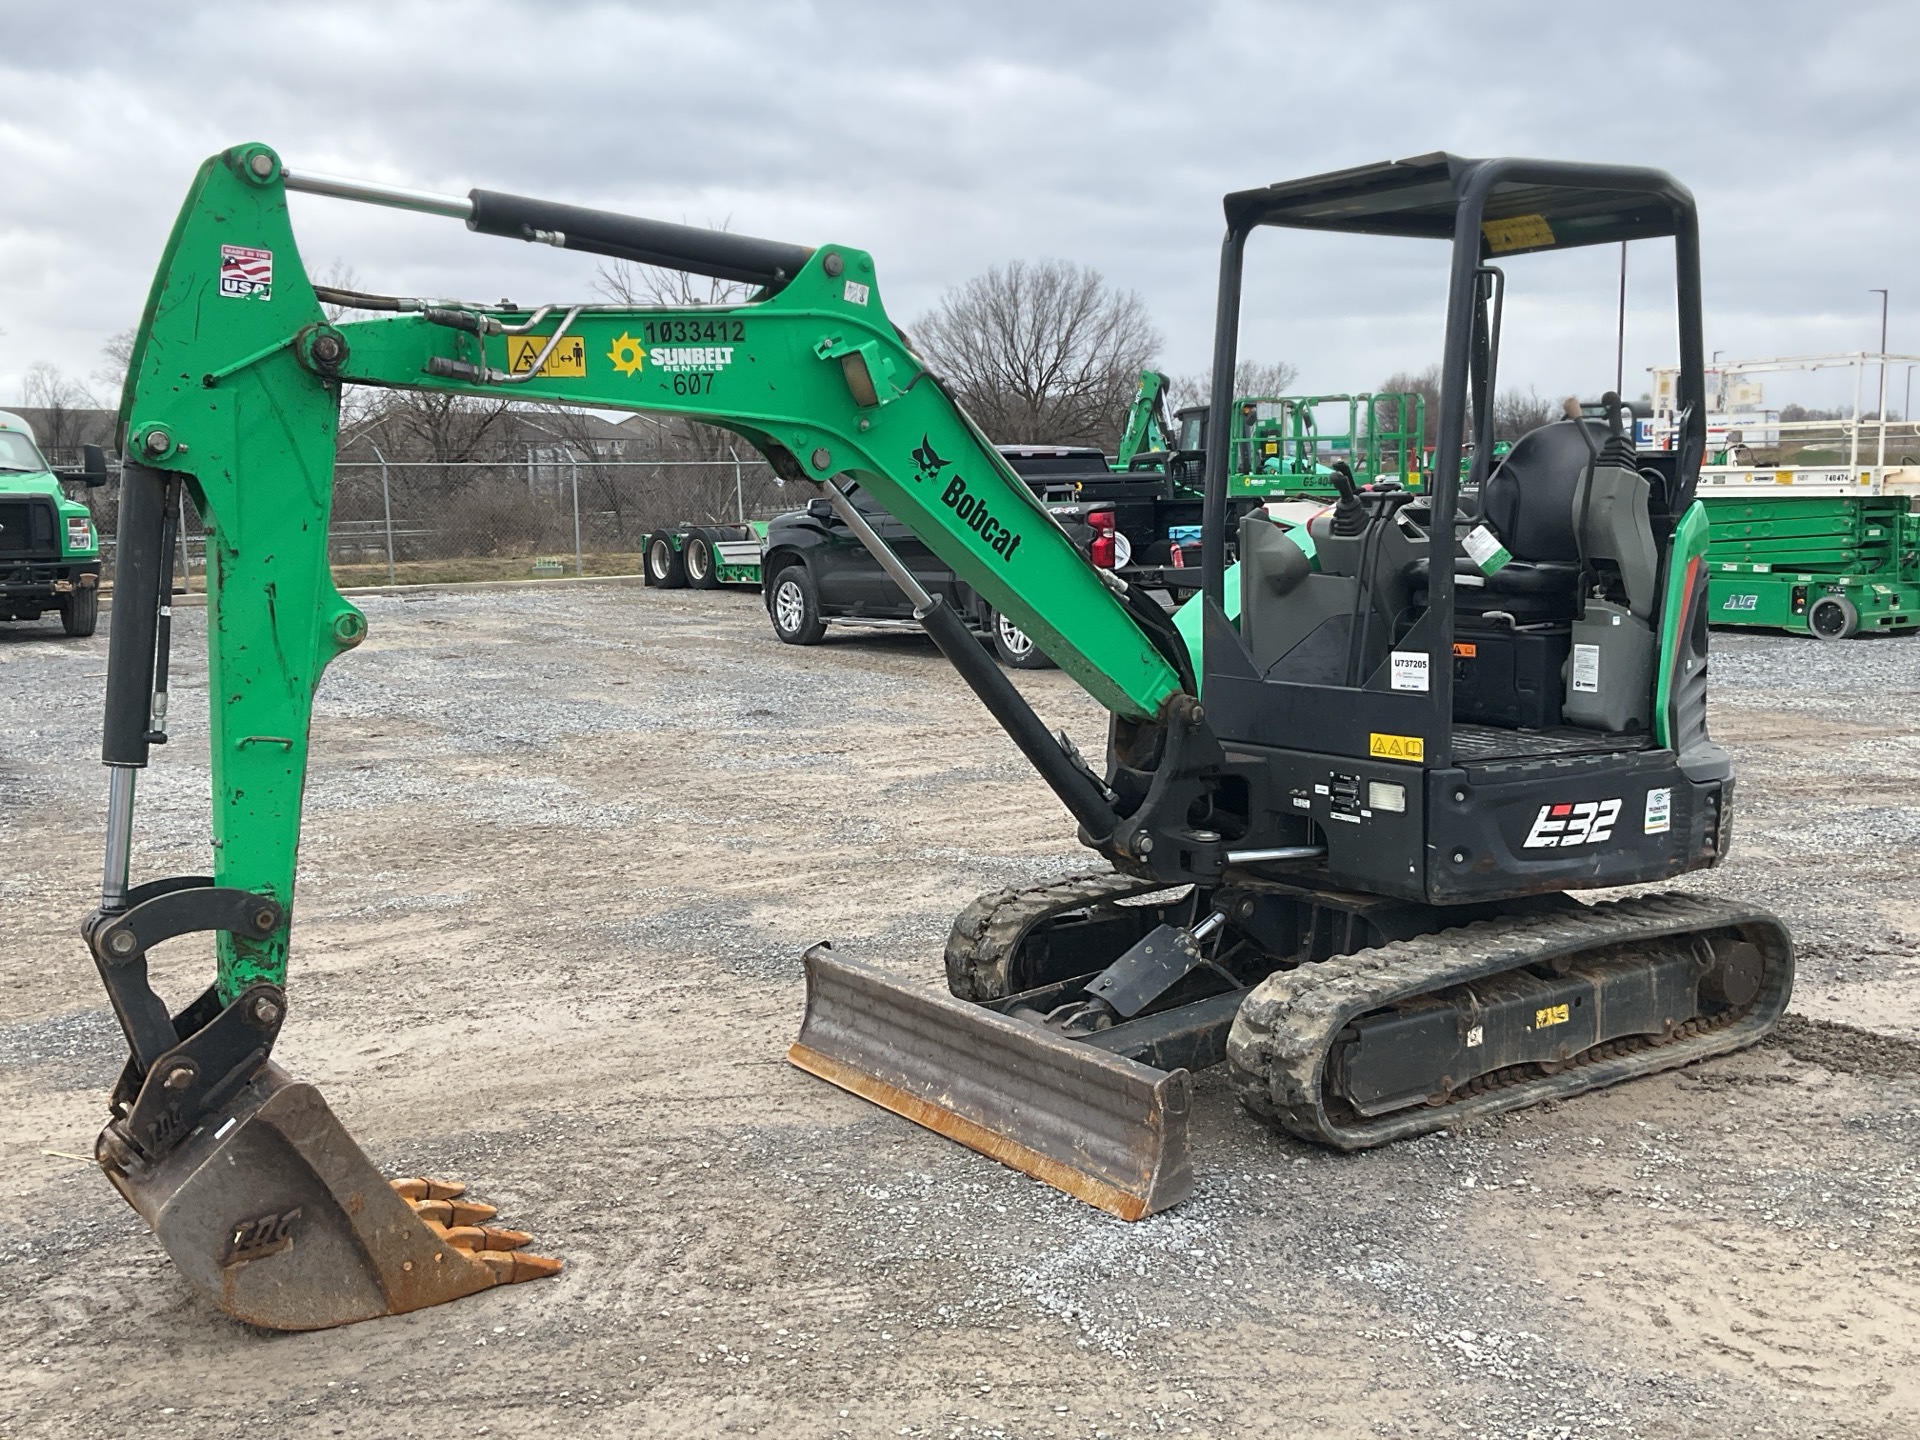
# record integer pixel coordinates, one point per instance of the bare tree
(1041, 351)
(62, 402)
(446, 429)
(1515, 412)
(1265, 378)
(110, 375)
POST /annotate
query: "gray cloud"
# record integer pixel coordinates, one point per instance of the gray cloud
(946, 137)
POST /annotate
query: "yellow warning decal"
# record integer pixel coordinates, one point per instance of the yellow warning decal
(567, 362)
(1396, 747)
(1465, 650)
(1517, 232)
(1549, 1016)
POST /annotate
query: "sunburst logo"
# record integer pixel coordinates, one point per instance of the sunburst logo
(627, 355)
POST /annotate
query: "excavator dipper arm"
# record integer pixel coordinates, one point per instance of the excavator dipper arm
(233, 394)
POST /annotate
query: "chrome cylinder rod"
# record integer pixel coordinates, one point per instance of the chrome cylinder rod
(426, 202)
(878, 548)
(113, 880)
(1278, 852)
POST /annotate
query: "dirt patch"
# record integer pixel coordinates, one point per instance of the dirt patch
(563, 850)
(1845, 1048)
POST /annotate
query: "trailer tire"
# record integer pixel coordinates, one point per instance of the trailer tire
(700, 560)
(793, 604)
(1012, 644)
(666, 566)
(1833, 617)
(80, 613)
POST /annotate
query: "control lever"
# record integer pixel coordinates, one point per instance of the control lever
(1350, 514)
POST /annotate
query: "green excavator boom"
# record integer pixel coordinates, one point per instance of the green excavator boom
(233, 393)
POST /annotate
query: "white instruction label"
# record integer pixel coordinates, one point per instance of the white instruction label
(1410, 670)
(1586, 669)
(1483, 547)
(856, 293)
(1659, 812)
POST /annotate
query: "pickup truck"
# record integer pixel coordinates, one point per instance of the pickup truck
(815, 572)
(49, 551)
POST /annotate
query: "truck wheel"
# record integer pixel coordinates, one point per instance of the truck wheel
(1013, 646)
(794, 606)
(666, 565)
(698, 559)
(1832, 617)
(80, 613)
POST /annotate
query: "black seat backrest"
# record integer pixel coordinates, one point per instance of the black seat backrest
(1528, 500)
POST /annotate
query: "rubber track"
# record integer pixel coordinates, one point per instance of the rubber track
(1277, 1051)
(985, 935)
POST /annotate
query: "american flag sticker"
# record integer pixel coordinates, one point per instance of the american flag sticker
(246, 272)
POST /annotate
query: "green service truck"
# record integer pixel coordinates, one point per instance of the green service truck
(49, 548)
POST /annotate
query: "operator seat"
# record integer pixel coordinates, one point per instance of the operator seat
(1531, 502)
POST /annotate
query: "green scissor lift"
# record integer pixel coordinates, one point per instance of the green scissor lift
(1814, 528)
(1830, 566)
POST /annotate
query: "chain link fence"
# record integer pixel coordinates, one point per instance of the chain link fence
(547, 511)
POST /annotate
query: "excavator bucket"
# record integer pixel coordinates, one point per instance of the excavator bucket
(1103, 1128)
(273, 1213)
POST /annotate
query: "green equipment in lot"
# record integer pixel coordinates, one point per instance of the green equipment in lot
(1827, 566)
(49, 549)
(1347, 874)
(1814, 526)
(1285, 446)
(706, 557)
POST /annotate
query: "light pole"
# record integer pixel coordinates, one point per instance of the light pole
(1620, 343)
(1882, 460)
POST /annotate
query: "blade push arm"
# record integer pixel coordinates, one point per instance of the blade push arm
(234, 391)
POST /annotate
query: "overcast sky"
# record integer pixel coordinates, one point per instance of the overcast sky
(947, 137)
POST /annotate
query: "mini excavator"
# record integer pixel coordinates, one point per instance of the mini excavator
(1345, 802)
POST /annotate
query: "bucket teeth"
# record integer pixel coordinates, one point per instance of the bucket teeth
(453, 1212)
(485, 1237)
(278, 1218)
(509, 1267)
(421, 1187)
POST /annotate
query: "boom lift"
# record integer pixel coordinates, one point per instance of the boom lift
(1324, 874)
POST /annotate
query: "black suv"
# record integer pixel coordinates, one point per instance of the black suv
(815, 570)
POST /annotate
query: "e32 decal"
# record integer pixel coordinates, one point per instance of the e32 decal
(1587, 822)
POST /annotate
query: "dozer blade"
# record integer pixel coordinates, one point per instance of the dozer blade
(1103, 1128)
(273, 1213)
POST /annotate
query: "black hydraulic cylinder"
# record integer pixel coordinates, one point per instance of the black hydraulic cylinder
(629, 237)
(1076, 789)
(132, 630)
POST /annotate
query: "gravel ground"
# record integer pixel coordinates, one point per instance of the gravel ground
(563, 849)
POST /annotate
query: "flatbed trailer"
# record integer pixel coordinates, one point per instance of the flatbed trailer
(706, 557)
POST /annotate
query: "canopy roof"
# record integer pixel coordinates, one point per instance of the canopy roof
(1530, 204)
